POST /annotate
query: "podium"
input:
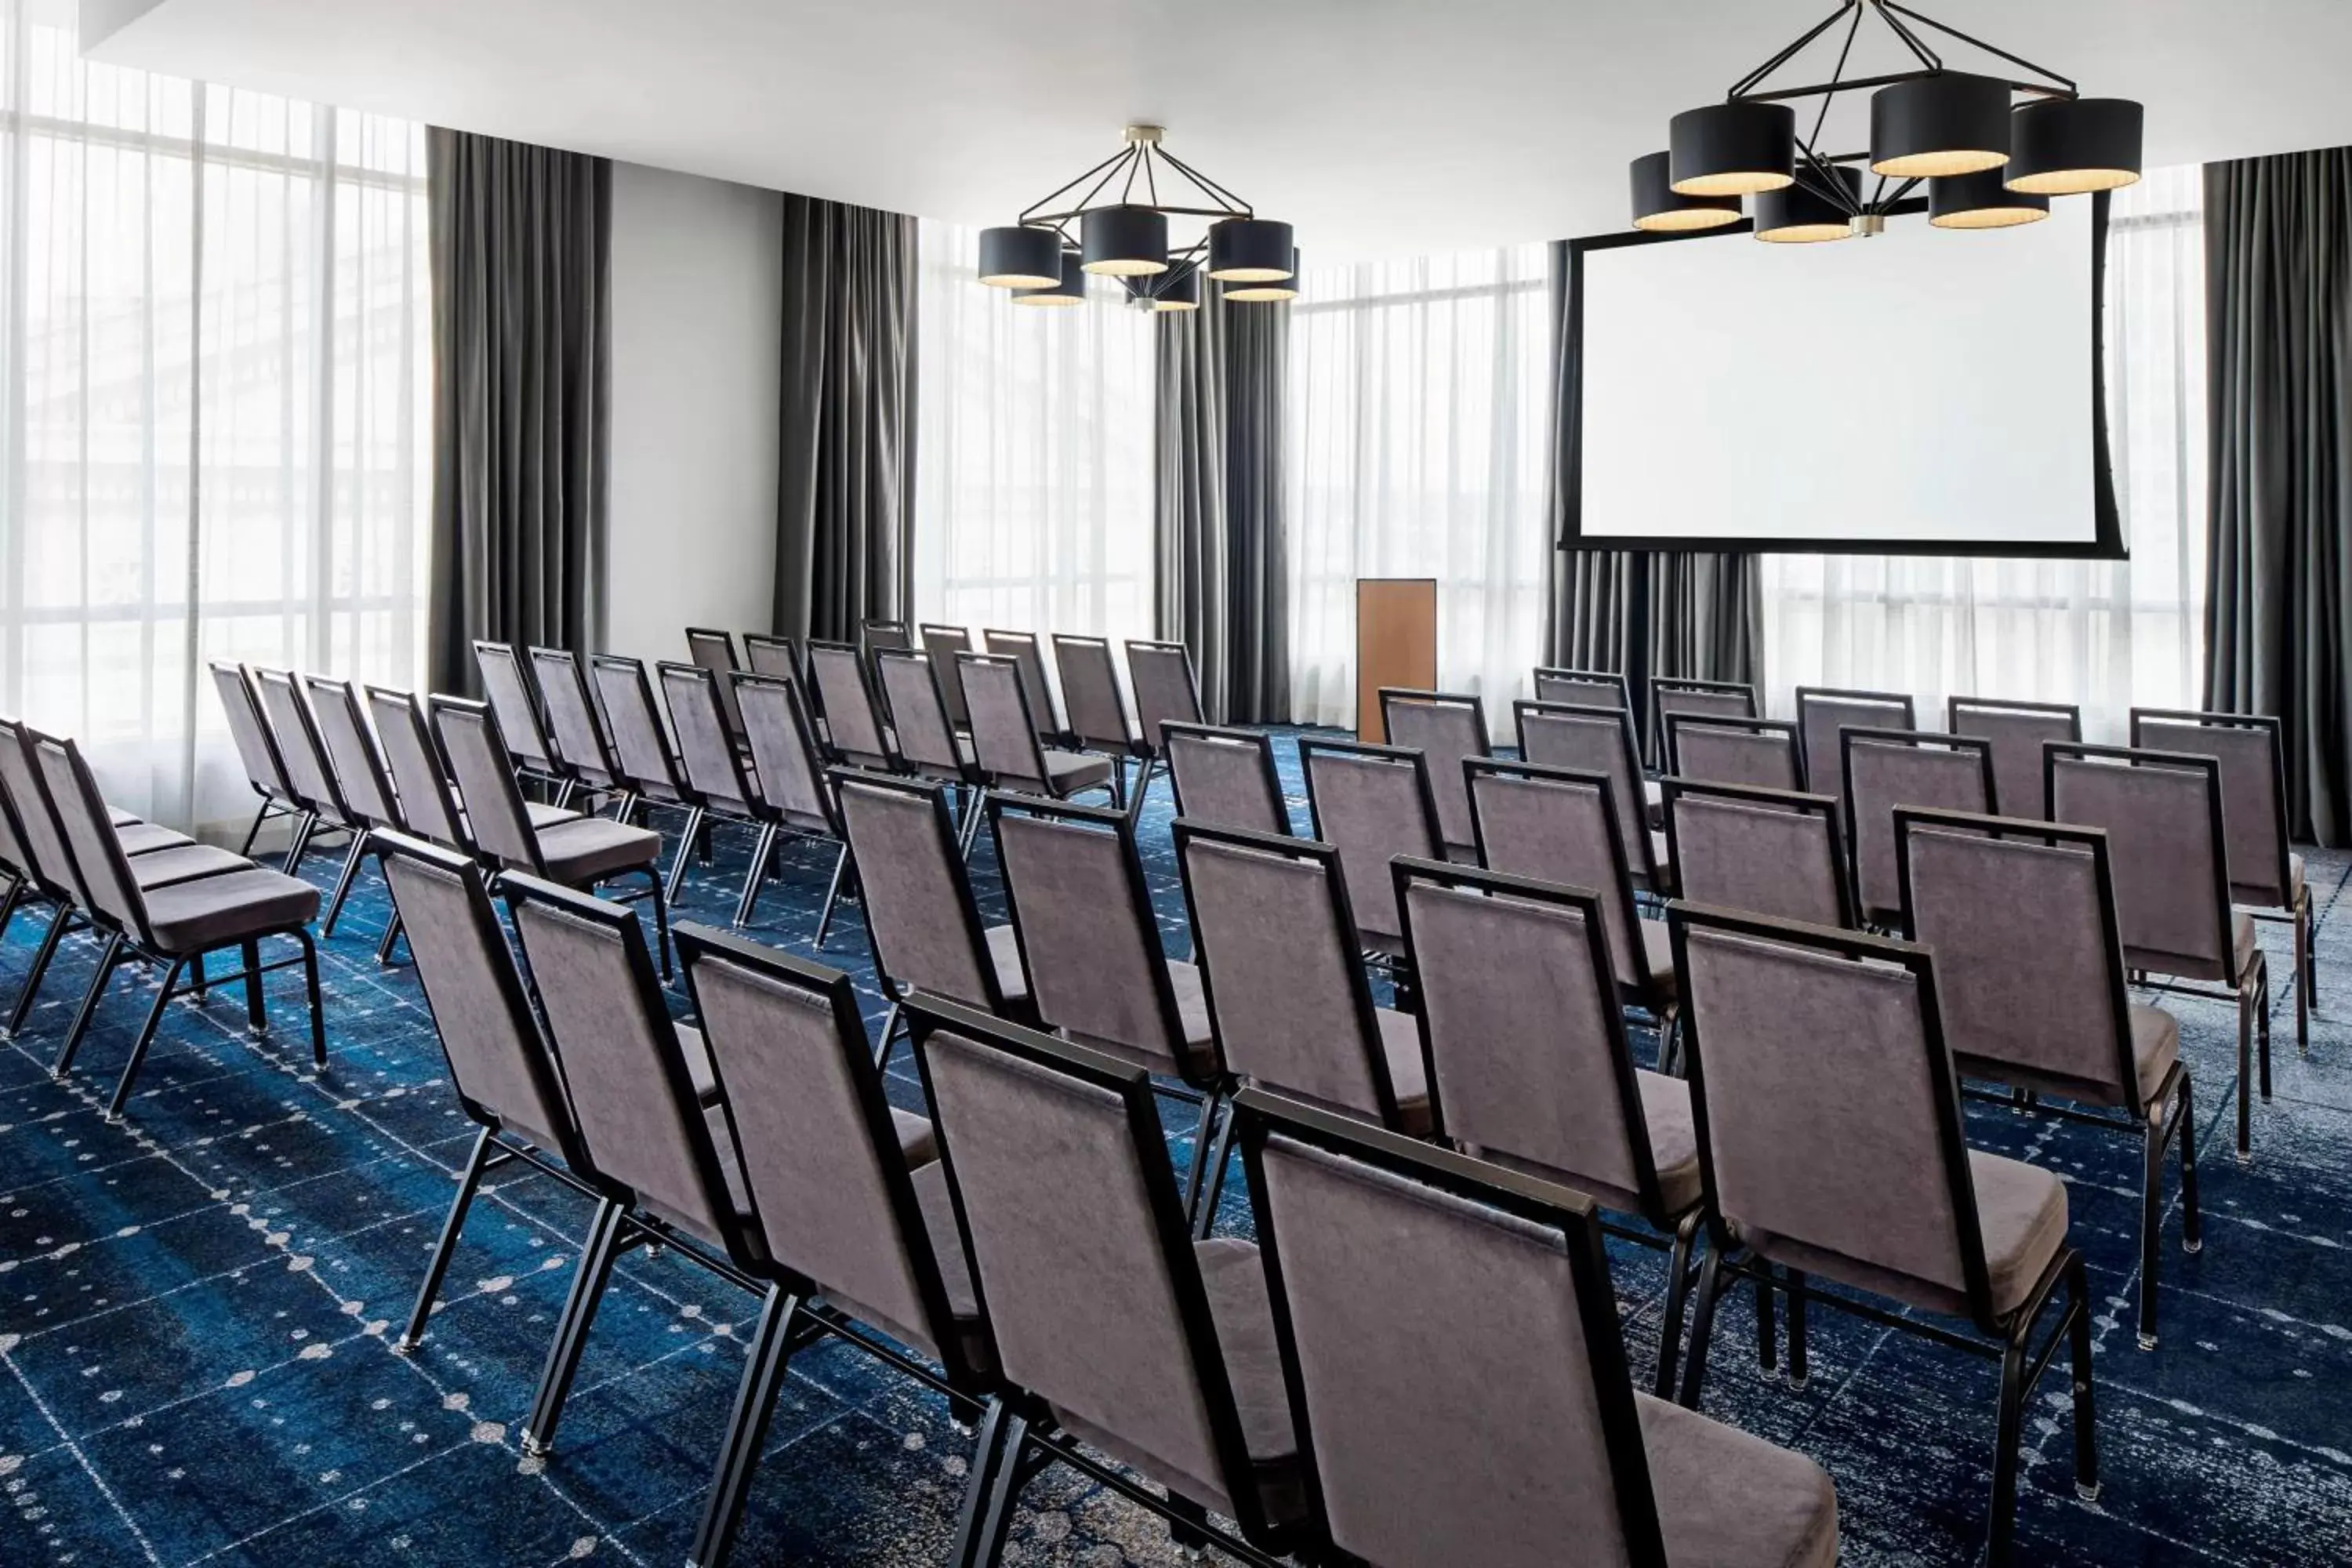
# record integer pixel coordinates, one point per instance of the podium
(1396, 643)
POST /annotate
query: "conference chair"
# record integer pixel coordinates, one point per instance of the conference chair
(2016, 731)
(928, 744)
(1512, 1437)
(855, 730)
(1583, 688)
(1166, 691)
(1706, 748)
(1830, 1146)
(2168, 845)
(1764, 851)
(1824, 710)
(1117, 1333)
(877, 635)
(1880, 770)
(922, 921)
(582, 746)
(766, 655)
(1036, 683)
(715, 651)
(1225, 777)
(650, 769)
(1372, 804)
(360, 774)
(513, 695)
(175, 925)
(1004, 731)
(782, 793)
(1672, 694)
(1601, 740)
(1447, 731)
(2266, 878)
(256, 749)
(1092, 703)
(312, 776)
(944, 645)
(2021, 919)
(1560, 825)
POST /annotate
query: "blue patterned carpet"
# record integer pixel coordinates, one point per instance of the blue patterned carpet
(195, 1311)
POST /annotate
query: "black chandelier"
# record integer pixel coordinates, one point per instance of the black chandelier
(1119, 228)
(1993, 150)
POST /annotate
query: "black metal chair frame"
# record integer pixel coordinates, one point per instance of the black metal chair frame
(1029, 720)
(1778, 799)
(674, 793)
(1127, 747)
(1659, 879)
(329, 814)
(1152, 756)
(1786, 728)
(968, 779)
(1259, 741)
(1395, 965)
(990, 639)
(1847, 693)
(363, 834)
(700, 638)
(1932, 739)
(277, 792)
(768, 819)
(1584, 677)
(1660, 685)
(554, 778)
(577, 783)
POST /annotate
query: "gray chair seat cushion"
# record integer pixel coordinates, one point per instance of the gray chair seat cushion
(1462, 854)
(1728, 1500)
(2155, 1045)
(1004, 953)
(117, 818)
(145, 838)
(1654, 804)
(1408, 1070)
(184, 863)
(1673, 1138)
(194, 917)
(918, 1140)
(2254, 897)
(1066, 773)
(546, 814)
(1660, 855)
(1193, 1012)
(589, 848)
(2243, 950)
(1658, 956)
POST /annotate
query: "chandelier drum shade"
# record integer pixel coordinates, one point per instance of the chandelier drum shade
(1113, 221)
(1992, 144)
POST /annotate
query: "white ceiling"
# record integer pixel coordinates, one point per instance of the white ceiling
(1377, 126)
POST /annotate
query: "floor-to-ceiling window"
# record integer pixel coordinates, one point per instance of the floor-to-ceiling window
(1032, 452)
(1419, 412)
(215, 385)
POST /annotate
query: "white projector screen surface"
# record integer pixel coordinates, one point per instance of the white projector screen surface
(1922, 389)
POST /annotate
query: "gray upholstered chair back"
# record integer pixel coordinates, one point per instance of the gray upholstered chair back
(1764, 851)
(497, 1061)
(1560, 825)
(1225, 777)
(1161, 676)
(851, 719)
(1023, 648)
(1090, 697)
(1583, 688)
(639, 741)
(1287, 994)
(943, 644)
(2162, 811)
(2016, 731)
(37, 816)
(495, 817)
(16, 858)
(633, 1097)
(766, 655)
(1372, 804)
(351, 750)
(1592, 740)
(885, 633)
(1760, 753)
(1079, 1248)
(912, 686)
(715, 651)
(1075, 886)
(1826, 1105)
(427, 806)
(920, 913)
(1520, 1017)
(307, 767)
(1003, 726)
(256, 749)
(1446, 730)
(507, 686)
(571, 717)
(1822, 711)
(706, 743)
(1670, 695)
(1508, 1437)
(785, 751)
(821, 1156)
(2028, 959)
(1886, 768)
(97, 852)
(2254, 791)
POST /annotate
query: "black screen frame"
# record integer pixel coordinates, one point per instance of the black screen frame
(2106, 543)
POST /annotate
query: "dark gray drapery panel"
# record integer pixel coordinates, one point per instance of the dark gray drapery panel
(1706, 611)
(846, 479)
(2278, 315)
(1222, 585)
(521, 238)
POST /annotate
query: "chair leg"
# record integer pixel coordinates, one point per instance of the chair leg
(360, 842)
(196, 975)
(1702, 1327)
(2263, 1017)
(254, 832)
(747, 1429)
(1768, 1332)
(435, 1271)
(760, 851)
(1669, 1328)
(299, 845)
(146, 1037)
(2310, 971)
(2192, 1238)
(2086, 1434)
(2151, 1214)
(685, 848)
(986, 1455)
(390, 939)
(987, 1544)
(2006, 1438)
(1204, 1127)
(107, 957)
(310, 997)
(601, 1250)
(831, 893)
(661, 919)
(1219, 1153)
(1188, 1525)
(1799, 1371)
(257, 1004)
(33, 977)
(2245, 1075)
(889, 1027)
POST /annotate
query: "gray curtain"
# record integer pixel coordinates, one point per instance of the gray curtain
(2278, 314)
(521, 238)
(1706, 611)
(1222, 583)
(846, 479)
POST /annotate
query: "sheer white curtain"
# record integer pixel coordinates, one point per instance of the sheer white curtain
(1033, 455)
(1417, 429)
(2107, 635)
(214, 394)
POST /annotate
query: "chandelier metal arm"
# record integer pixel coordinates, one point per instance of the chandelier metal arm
(2047, 75)
(1911, 40)
(1740, 88)
(1845, 51)
(1234, 206)
(1898, 19)
(1033, 211)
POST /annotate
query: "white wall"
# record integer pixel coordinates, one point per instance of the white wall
(697, 324)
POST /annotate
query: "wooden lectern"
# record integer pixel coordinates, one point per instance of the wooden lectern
(1396, 643)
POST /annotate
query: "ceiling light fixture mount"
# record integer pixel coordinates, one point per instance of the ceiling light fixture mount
(1992, 148)
(1113, 222)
